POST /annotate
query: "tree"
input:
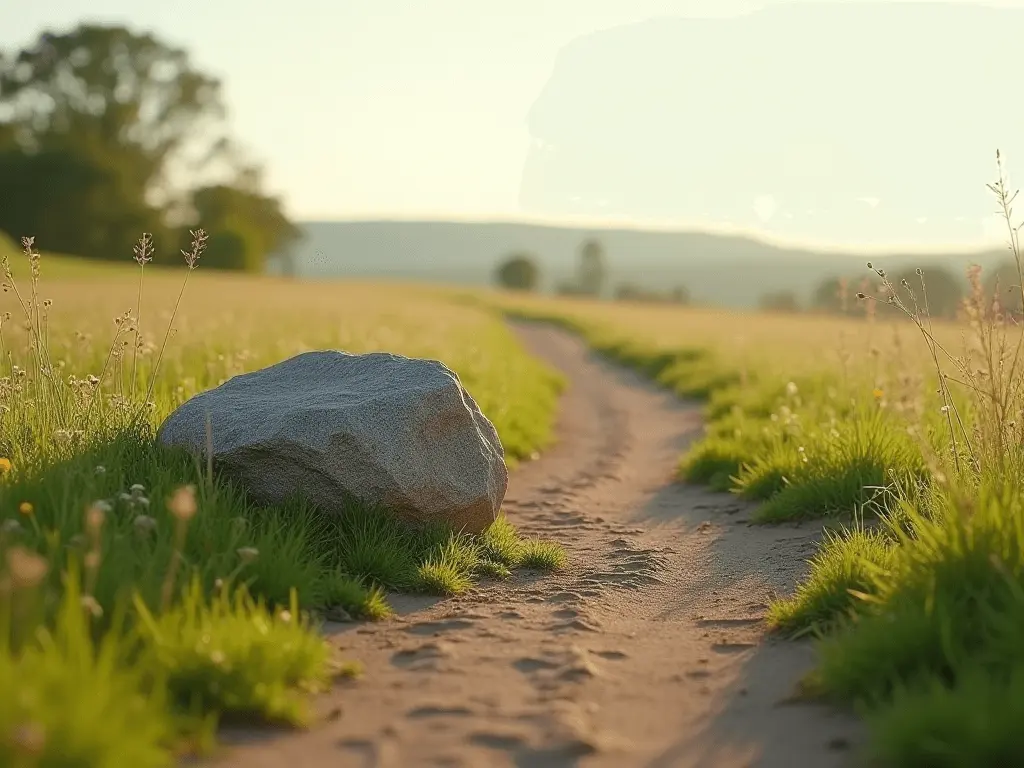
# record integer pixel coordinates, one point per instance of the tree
(567, 288)
(592, 269)
(73, 205)
(942, 292)
(100, 127)
(254, 226)
(1003, 283)
(227, 249)
(680, 295)
(834, 295)
(780, 301)
(113, 95)
(518, 272)
(632, 292)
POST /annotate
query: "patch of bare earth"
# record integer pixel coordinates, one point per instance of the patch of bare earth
(648, 650)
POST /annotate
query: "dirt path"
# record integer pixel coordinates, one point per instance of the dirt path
(648, 651)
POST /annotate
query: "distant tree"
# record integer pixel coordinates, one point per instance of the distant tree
(519, 272)
(593, 271)
(72, 204)
(632, 292)
(1003, 283)
(567, 288)
(253, 224)
(834, 295)
(227, 249)
(838, 296)
(780, 301)
(680, 294)
(97, 124)
(103, 113)
(629, 292)
(942, 292)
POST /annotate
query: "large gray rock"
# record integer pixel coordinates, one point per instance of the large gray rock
(390, 430)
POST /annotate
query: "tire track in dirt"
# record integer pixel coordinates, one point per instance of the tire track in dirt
(649, 650)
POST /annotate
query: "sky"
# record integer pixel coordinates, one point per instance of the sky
(415, 109)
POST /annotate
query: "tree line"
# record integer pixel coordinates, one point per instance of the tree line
(521, 272)
(938, 288)
(941, 289)
(106, 133)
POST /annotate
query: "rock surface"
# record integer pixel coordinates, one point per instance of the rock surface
(385, 429)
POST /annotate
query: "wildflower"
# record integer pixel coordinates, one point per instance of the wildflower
(137, 490)
(877, 393)
(248, 554)
(26, 508)
(791, 389)
(91, 606)
(285, 616)
(5, 466)
(94, 518)
(103, 506)
(26, 568)
(29, 739)
(101, 470)
(144, 249)
(183, 503)
(144, 524)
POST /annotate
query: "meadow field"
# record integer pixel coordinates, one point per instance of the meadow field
(145, 601)
(903, 433)
(198, 606)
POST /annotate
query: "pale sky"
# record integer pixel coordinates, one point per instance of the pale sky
(418, 108)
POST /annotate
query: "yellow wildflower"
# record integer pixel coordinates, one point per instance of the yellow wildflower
(26, 508)
(5, 466)
(877, 393)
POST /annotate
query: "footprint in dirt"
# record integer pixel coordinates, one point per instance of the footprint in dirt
(439, 627)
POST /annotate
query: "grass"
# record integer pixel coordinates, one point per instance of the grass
(149, 590)
(156, 595)
(916, 603)
(805, 447)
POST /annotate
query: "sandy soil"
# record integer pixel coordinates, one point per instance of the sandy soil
(649, 650)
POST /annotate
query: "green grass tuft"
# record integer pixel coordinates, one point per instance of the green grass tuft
(70, 700)
(542, 556)
(230, 655)
(841, 570)
(355, 598)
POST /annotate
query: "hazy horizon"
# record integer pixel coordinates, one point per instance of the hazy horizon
(403, 112)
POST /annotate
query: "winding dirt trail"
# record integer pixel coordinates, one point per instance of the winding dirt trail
(649, 650)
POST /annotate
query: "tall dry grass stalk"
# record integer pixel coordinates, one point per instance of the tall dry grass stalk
(68, 404)
(986, 441)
